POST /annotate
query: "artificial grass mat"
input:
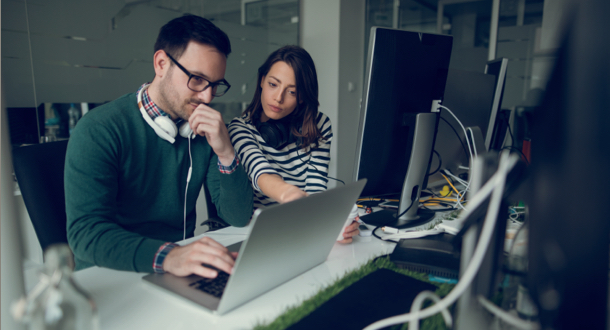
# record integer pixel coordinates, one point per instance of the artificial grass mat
(294, 314)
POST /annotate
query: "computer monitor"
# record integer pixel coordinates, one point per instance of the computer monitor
(496, 129)
(406, 73)
(569, 227)
(469, 95)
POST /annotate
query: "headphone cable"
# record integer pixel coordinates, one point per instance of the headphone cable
(314, 166)
(188, 179)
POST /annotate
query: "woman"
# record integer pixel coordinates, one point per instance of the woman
(282, 140)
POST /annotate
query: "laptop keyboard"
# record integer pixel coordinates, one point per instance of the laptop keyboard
(214, 286)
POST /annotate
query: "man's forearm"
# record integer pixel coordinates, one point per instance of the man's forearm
(232, 195)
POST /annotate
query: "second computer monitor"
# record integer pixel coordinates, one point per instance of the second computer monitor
(469, 95)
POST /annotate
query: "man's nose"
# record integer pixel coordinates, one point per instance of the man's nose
(206, 95)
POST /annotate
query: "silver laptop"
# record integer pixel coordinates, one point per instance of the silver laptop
(284, 241)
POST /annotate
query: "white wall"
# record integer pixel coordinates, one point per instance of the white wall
(12, 284)
(352, 56)
(320, 37)
(332, 31)
(548, 40)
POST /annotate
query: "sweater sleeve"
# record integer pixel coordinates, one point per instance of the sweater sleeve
(230, 193)
(91, 188)
(317, 177)
(252, 158)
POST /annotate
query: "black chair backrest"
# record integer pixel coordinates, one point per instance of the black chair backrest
(40, 174)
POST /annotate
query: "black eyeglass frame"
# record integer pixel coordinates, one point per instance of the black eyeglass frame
(222, 82)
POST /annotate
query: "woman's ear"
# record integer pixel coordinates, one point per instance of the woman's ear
(262, 81)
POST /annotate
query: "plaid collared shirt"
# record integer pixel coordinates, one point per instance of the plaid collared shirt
(154, 111)
(160, 256)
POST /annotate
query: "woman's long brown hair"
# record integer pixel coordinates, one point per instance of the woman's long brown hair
(304, 116)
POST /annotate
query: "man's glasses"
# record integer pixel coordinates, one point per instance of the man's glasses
(199, 84)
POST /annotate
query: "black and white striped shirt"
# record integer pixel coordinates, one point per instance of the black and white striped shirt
(304, 168)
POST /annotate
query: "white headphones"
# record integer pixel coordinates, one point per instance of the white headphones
(167, 130)
(163, 125)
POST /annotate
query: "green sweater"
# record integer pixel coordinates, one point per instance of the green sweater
(125, 188)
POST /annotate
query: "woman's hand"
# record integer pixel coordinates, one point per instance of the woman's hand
(275, 187)
(349, 232)
(292, 193)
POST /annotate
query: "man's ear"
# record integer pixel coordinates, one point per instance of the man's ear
(161, 63)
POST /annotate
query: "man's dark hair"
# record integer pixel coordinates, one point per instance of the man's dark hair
(177, 33)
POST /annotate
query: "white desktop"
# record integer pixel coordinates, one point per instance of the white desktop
(125, 301)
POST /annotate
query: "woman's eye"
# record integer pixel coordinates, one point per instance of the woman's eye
(272, 84)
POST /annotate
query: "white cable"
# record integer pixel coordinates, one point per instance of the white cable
(505, 316)
(479, 197)
(188, 179)
(471, 270)
(414, 234)
(474, 146)
(27, 23)
(455, 177)
(469, 150)
(465, 191)
(474, 202)
(459, 192)
(516, 215)
(416, 306)
(462, 192)
(463, 129)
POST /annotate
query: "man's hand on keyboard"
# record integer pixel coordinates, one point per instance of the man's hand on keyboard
(189, 259)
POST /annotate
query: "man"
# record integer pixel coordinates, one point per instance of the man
(131, 184)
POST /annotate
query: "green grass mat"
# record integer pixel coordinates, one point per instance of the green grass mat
(295, 313)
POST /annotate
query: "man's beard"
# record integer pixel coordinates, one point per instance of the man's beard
(170, 100)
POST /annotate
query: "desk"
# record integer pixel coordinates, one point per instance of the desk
(126, 302)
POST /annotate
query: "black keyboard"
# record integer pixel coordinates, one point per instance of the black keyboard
(214, 286)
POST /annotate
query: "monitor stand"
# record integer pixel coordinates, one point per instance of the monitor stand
(421, 154)
(388, 218)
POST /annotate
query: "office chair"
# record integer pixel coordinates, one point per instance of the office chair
(40, 174)
(213, 221)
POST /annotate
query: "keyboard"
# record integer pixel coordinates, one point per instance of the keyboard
(214, 286)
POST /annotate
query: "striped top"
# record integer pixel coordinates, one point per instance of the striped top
(306, 169)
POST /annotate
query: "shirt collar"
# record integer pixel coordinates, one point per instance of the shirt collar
(153, 109)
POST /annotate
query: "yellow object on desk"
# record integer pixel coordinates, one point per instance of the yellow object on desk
(445, 192)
